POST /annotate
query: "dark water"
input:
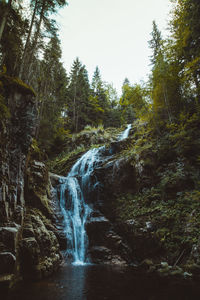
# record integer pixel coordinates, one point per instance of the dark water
(104, 282)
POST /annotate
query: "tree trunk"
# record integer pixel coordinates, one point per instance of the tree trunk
(28, 40)
(4, 19)
(77, 120)
(167, 104)
(74, 108)
(29, 62)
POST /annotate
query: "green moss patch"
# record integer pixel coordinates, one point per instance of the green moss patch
(16, 84)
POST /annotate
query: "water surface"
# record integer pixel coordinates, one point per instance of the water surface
(92, 282)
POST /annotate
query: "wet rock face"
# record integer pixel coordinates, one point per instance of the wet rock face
(15, 137)
(28, 238)
(7, 262)
(8, 237)
(39, 250)
(116, 175)
(141, 239)
(37, 187)
(105, 245)
(39, 247)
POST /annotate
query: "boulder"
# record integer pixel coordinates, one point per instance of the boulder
(96, 228)
(140, 239)
(56, 179)
(7, 263)
(100, 254)
(105, 245)
(8, 237)
(39, 251)
(104, 255)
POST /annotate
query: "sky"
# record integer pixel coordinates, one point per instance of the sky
(111, 34)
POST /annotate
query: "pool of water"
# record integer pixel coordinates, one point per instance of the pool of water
(90, 282)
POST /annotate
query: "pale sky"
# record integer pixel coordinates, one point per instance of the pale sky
(112, 34)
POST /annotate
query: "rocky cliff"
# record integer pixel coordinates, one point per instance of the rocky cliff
(149, 190)
(29, 247)
(145, 200)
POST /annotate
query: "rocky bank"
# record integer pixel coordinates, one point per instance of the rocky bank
(146, 210)
(29, 247)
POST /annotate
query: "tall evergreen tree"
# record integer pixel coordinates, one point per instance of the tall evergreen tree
(185, 27)
(99, 91)
(155, 43)
(41, 11)
(52, 94)
(78, 100)
(11, 44)
(6, 7)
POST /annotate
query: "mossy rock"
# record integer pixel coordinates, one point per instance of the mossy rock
(16, 85)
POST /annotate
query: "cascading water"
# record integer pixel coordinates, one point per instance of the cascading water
(74, 193)
(125, 133)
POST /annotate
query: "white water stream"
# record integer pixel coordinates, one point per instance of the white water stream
(74, 191)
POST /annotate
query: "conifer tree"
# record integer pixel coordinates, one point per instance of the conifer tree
(78, 99)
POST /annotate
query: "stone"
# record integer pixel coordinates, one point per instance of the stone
(5, 281)
(177, 272)
(96, 228)
(39, 251)
(187, 275)
(164, 264)
(100, 254)
(8, 237)
(193, 268)
(7, 263)
(146, 264)
(56, 179)
(117, 260)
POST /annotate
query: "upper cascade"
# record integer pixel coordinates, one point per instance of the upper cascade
(125, 133)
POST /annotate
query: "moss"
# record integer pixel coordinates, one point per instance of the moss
(4, 110)
(62, 164)
(75, 145)
(16, 84)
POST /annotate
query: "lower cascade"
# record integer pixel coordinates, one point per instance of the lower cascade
(74, 193)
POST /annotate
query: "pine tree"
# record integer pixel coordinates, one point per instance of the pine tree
(99, 91)
(79, 93)
(42, 9)
(52, 94)
(155, 43)
(11, 43)
(185, 27)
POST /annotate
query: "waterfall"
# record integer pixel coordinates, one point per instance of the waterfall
(74, 192)
(125, 133)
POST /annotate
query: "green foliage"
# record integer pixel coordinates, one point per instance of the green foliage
(4, 111)
(79, 102)
(185, 136)
(11, 43)
(134, 101)
(185, 27)
(52, 86)
(15, 84)
(76, 144)
(63, 163)
(155, 43)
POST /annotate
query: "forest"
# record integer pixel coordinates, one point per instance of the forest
(54, 116)
(67, 102)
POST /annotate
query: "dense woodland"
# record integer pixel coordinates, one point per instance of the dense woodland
(67, 102)
(152, 176)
